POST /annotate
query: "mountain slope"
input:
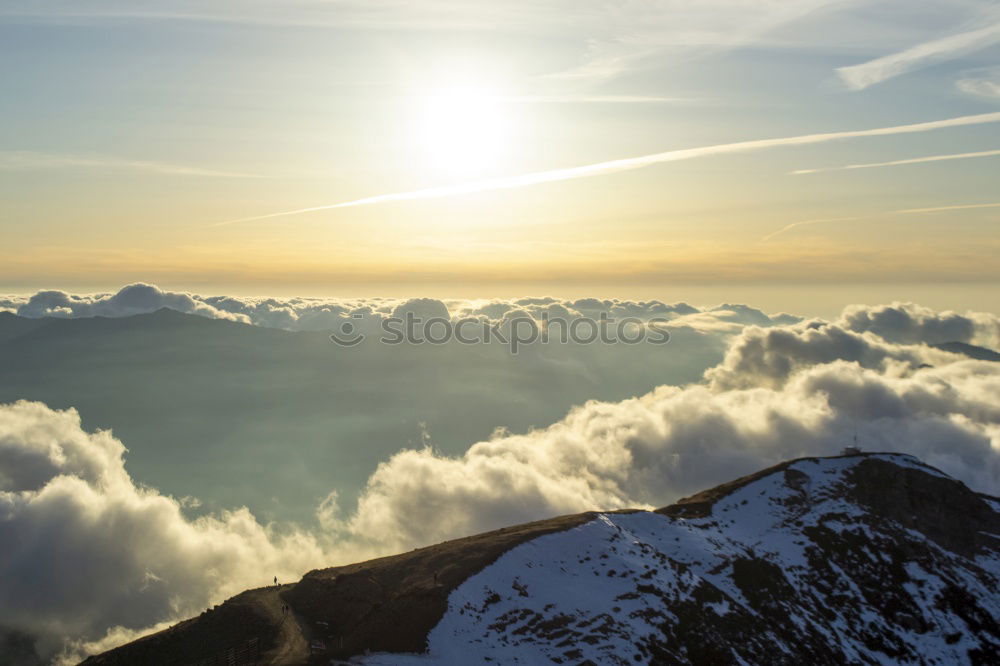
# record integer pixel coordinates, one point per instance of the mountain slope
(871, 558)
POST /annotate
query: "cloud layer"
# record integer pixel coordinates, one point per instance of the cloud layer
(898, 322)
(316, 314)
(97, 556)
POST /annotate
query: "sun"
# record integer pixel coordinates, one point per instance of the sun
(461, 129)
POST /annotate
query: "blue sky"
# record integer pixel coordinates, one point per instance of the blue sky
(131, 130)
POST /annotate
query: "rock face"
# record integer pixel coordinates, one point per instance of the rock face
(866, 559)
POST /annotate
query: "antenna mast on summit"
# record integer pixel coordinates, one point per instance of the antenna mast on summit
(854, 449)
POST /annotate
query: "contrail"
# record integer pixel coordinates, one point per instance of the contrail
(905, 211)
(938, 209)
(915, 160)
(806, 223)
(627, 164)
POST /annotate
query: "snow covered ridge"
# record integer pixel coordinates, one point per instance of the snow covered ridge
(844, 560)
(864, 559)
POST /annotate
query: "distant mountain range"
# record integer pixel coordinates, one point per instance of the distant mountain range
(235, 414)
(857, 559)
(972, 351)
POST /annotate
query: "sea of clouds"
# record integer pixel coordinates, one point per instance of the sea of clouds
(328, 314)
(92, 557)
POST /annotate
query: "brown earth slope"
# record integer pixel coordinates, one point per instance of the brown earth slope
(349, 608)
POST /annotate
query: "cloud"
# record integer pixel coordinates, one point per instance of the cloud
(628, 164)
(648, 451)
(626, 36)
(356, 14)
(87, 551)
(909, 323)
(423, 308)
(132, 299)
(31, 161)
(761, 357)
(915, 160)
(859, 77)
(328, 314)
(981, 83)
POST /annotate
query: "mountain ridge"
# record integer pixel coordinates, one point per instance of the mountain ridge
(428, 599)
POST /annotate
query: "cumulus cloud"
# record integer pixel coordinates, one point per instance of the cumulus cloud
(422, 308)
(675, 441)
(909, 323)
(129, 300)
(92, 556)
(329, 314)
(769, 357)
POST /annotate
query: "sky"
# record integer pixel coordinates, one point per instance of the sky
(488, 148)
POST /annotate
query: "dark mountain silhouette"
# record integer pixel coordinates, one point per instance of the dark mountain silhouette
(869, 558)
(972, 351)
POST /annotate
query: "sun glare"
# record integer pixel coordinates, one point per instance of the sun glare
(461, 129)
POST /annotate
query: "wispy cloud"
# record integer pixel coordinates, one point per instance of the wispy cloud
(915, 160)
(351, 14)
(628, 164)
(859, 77)
(904, 211)
(602, 66)
(627, 36)
(30, 161)
(983, 82)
